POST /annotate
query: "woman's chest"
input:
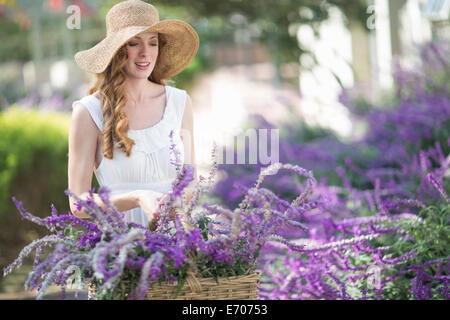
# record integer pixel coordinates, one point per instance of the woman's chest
(150, 161)
(145, 115)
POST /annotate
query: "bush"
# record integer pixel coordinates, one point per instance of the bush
(399, 162)
(33, 167)
(425, 274)
(405, 136)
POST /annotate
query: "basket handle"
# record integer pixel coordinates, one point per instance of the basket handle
(191, 278)
(193, 282)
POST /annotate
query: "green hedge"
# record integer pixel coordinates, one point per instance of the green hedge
(33, 168)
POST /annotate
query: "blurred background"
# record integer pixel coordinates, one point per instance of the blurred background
(314, 69)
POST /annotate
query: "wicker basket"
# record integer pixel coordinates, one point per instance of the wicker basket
(231, 288)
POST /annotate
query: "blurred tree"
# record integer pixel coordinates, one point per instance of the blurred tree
(42, 26)
(276, 20)
(13, 46)
(272, 23)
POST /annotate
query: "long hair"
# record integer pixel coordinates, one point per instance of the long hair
(110, 85)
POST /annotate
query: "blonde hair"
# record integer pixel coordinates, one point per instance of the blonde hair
(110, 85)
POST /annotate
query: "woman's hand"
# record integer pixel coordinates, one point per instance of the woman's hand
(149, 201)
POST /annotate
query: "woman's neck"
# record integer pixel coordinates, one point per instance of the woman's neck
(140, 89)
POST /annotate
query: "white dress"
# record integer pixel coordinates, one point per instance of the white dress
(148, 166)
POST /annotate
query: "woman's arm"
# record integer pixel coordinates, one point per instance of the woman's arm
(82, 148)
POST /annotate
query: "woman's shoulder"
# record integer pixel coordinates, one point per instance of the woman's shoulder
(88, 100)
(92, 104)
(81, 116)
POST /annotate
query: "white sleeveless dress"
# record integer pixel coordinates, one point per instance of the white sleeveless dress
(148, 166)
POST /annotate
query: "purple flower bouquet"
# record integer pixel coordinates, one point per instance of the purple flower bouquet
(205, 240)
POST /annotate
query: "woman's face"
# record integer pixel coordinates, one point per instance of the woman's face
(142, 53)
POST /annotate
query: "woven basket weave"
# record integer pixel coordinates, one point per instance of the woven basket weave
(231, 288)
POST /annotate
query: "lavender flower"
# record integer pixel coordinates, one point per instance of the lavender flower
(438, 186)
(50, 239)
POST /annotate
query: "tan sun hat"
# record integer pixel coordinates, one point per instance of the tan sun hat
(130, 18)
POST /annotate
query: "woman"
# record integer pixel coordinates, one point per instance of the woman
(120, 131)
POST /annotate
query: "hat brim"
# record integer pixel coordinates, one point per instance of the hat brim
(180, 47)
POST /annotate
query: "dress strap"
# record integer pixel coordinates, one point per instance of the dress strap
(178, 102)
(94, 107)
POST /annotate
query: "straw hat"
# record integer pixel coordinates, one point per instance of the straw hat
(129, 18)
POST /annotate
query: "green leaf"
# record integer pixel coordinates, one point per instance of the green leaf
(181, 281)
(67, 231)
